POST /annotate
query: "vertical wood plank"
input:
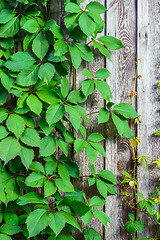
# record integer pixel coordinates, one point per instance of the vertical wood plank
(148, 101)
(94, 103)
(121, 23)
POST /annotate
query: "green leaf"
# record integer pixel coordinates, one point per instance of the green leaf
(15, 124)
(63, 172)
(27, 42)
(111, 42)
(108, 175)
(72, 8)
(31, 26)
(91, 153)
(6, 15)
(72, 168)
(57, 31)
(26, 154)
(4, 237)
(71, 220)
(30, 137)
(40, 46)
(60, 47)
(76, 96)
(9, 148)
(10, 28)
(64, 185)
(96, 202)
(37, 221)
(31, 197)
(3, 95)
(45, 127)
(64, 87)
(85, 51)
(88, 87)
(99, 148)
(95, 137)
(127, 131)
(63, 146)
(34, 104)
(21, 102)
(79, 208)
(92, 169)
(102, 216)
(102, 73)
(7, 82)
(96, 7)
(57, 222)
(83, 131)
(102, 188)
(138, 226)
(47, 95)
(28, 76)
(87, 217)
(64, 237)
(91, 234)
(35, 179)
(87, 73)
(129, 226)
(48, 146)
(49, 188)
(46, 72)
(51, 165)
(20, 61)
(104, 89)
(37, 166)
(11, 190)
(118, 123)
(11, 218)
(3, 114)
(79, 145)
(75, 56)
(140, 195)
(71, 20)
(3, 132)
(103, 115)
(10, 229)
(74, 116)
(131, 216)
(125, 110)
(102, 49)
(54, 113)
(126, 174)
(86, 24)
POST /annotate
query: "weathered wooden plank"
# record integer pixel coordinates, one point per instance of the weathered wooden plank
(94, 103)
(147, 93)
(121, 23)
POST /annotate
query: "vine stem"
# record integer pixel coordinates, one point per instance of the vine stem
(92, 113)
(133, 207)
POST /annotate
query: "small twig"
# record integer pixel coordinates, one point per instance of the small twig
(92, 113)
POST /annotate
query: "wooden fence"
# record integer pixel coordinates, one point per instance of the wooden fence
(136, 23)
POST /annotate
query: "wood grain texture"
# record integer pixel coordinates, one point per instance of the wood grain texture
(121, 23)
(148, 38)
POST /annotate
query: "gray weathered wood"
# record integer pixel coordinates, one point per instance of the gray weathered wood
(148, 38)
(121, 23)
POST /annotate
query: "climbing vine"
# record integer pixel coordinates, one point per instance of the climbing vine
(41, 112)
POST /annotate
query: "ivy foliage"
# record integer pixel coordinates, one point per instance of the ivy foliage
(38, 108)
